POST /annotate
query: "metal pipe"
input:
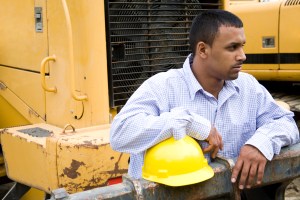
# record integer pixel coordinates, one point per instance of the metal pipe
(71, 53)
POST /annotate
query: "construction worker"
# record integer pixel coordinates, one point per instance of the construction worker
(211, 100)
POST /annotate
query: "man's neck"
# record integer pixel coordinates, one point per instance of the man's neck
(212, 86)
(209, 84)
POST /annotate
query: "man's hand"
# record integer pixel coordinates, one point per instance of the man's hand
(250, 164)
(215, 142)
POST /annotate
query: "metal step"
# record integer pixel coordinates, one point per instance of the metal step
(292, 100)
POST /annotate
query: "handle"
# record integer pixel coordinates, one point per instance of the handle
(71, 54)
(43, 81)
(69, 126)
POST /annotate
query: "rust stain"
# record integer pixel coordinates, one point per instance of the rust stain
(83, 186)
(114, 172)
(3, 130)
(72, 171)
(91, 144)
(87, 144)
(219, 169)
(116, 169)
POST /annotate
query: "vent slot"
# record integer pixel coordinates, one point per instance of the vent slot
(292, 2)
(146, 37)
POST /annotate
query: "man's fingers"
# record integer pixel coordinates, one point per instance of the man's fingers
(260, 173)
(213, 148)
(236, 170)
(208, 149)
(221, 144)
(251, 176)
(215, 142)
(244, 175)
(215, 152)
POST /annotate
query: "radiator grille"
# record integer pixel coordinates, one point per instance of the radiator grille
(145, 37)
(292, 3)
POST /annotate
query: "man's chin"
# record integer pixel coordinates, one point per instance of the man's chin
(234, 76)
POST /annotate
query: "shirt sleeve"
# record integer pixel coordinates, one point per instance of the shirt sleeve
(275, 125)
(145, 121)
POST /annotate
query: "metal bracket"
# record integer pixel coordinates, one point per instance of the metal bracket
(137, 186)
(59, 194)
(2, 86)
(38, 16)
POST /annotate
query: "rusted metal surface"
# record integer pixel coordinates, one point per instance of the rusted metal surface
(72, 171)
(282, 169)
(74, 161)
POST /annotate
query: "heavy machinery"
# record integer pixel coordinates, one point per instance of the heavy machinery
(273, 47)
(67, 67)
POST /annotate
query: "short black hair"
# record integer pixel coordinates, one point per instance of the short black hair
(205, 26)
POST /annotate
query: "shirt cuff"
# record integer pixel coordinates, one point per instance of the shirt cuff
(200, 127)
(263, 144)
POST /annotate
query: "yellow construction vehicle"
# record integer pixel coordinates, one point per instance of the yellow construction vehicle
(273, 47)
(67, 67)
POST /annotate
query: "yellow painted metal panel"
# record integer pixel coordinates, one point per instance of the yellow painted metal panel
(23, 91)
(260, 66)
(21, 46)
(291, 67)
(260, 20)
(2, 171)
(85, 160)
(89, 42)
(36, 158)
(276, 75)
(77, 160)
(289, 29)
(34, 194)
(9, 116)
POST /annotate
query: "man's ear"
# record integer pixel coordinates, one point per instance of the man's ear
(202, 49)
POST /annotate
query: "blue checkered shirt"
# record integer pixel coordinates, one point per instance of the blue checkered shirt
(173, 103)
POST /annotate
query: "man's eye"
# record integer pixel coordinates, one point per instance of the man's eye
(232, 48)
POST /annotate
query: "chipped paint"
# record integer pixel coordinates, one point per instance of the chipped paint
(89, 144)
(72, 171)
(283, 168)
(100, 162)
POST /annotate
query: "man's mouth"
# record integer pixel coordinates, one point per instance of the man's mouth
(238, 65)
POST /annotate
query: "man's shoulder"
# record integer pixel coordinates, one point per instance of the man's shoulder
(166, 76)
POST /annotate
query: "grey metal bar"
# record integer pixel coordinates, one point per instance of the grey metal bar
(282, 169)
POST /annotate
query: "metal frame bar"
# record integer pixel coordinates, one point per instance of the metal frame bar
(284, 168)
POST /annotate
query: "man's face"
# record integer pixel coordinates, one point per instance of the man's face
(226, 55)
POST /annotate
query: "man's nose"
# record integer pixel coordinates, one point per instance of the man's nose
(241, 56)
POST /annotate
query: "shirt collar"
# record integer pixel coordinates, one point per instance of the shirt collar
(193, 84)
(232, 84)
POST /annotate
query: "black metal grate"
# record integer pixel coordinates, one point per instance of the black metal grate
(292, 3)
(145, 37)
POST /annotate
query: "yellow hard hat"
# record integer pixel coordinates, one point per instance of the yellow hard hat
(176, 163)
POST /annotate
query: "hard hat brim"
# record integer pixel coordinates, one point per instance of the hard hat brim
(183, 179)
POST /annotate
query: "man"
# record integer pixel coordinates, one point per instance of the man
(209, 99)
